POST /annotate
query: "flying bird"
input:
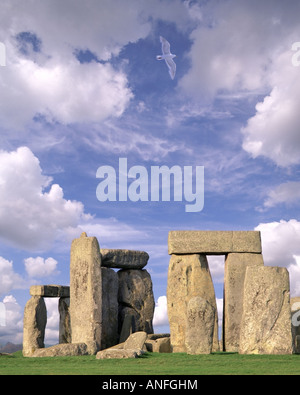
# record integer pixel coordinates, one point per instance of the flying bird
(167, 56)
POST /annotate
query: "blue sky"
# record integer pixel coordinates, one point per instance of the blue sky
(82, 88)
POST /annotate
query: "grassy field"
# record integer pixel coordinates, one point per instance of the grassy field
(154, 364)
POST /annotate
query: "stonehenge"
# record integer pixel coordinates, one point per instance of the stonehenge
(99, 309)
(107, 310)
(256, 301)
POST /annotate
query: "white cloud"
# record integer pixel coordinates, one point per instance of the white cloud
(281, 247)
(274, 130)
(47, 79)
(67, 93)
(241, 48)
(287, 193)
(40, 267)
(9, 279)
(13, 329)
(52, 327)
(161, 312)
(31, 217)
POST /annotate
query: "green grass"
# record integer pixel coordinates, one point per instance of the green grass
(154, 364)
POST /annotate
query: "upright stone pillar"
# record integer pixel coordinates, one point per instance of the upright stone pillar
(86, 292)
(136, 299)
(235, 270)
(110, 306)
(188, 277)
(34, 324)
(266, 326)
(295, 309)
(200, 326)
(65, 335)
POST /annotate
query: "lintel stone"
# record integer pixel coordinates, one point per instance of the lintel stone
(214, 242)
(50, 291)
(124, 259)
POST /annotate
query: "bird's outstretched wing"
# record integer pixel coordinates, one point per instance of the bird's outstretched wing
(172, 67)
(165, 46)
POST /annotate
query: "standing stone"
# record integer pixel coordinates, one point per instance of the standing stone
(199, 326)
(266, 320)
(295, 309)
(86, 292)
(235, 270)
(110, 286)
(35, 319)
(189, 276)
(64, 321)
(136, 299)
(128, 325)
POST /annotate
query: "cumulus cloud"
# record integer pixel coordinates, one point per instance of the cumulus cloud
(242, 48)
(44, 75)
(281, 247)
(13, 329)
(60, 92)
(274, 130)
(32, 211)
(40, 267)
(9, 279)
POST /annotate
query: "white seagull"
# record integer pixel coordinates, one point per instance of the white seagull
(167, 56)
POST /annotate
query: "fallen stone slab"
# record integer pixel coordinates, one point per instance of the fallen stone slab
(114, 353)
(124, 259)
(50, 291)
(135, 341)
(62, 350)
(214, 242)
(159, 344)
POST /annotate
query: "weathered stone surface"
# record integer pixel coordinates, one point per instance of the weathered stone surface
(86, 292)
(235, 270)
(136, 298)
(297, 344)
(50, 291)
(113, 353)
(295, 309)
(188, 276)
(34, 323)
(64, 321)
(161, 345)
(62, 350)
(110, 306)
(266, 320)
(199, 326)
(124, 259)
(135, 341)
(213, 242)
(128, 325)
